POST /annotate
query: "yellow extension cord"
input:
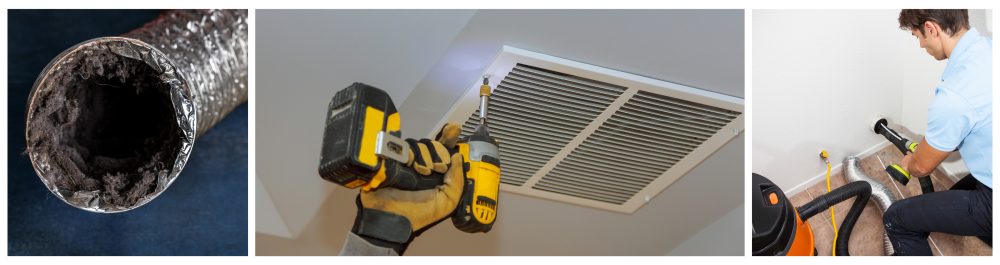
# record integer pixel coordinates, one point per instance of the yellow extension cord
(832, 218)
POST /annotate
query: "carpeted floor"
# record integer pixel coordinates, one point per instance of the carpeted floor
(204, 212)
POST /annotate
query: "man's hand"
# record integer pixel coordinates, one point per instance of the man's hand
(924, 160)
(906, 164)
(390, 217)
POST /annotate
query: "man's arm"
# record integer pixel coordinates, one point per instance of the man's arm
(924, 160)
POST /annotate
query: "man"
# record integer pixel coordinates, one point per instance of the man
(960, 119)
(389, 219)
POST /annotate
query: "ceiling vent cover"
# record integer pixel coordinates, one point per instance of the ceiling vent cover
(536, 112)
(644, 139)
(592, 136)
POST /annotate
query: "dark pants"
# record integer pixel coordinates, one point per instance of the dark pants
(965, 210)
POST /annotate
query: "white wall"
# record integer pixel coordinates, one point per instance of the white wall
(818, 79)
(724, 237)
(817, 87)
(982, 20)
(266, 217)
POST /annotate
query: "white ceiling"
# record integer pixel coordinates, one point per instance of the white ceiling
(697, 48)
(303, 58)
(425, 59)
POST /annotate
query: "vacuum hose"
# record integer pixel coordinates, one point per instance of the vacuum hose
(861, 189)
(880, 192)
(111, 121)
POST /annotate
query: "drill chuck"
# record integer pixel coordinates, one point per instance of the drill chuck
(484, 98)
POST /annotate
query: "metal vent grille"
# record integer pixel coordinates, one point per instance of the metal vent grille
(583, 134)
(535, 113)
(613, 163)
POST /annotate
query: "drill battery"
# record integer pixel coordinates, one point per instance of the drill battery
(357, 120)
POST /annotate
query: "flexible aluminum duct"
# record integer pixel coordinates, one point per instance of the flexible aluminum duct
(880, 192)
(111, 121)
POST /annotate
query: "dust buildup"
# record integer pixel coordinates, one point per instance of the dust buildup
(105, 123)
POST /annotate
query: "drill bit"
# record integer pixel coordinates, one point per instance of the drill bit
(484, 98)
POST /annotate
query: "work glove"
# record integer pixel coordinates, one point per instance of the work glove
(392, 218)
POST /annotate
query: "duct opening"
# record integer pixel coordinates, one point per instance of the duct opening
(106, 123)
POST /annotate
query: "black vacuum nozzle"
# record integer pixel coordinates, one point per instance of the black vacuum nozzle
(879, 124)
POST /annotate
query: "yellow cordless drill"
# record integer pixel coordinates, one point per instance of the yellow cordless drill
(478, 210)
(362, 148)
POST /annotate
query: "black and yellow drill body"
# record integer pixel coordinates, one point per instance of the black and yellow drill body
(477, 211)
(904, 145)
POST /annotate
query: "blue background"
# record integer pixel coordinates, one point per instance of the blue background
(204, 212)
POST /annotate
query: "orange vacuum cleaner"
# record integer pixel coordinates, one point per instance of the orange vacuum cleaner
(778, 227)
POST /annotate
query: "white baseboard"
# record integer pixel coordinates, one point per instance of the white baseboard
(822, 175)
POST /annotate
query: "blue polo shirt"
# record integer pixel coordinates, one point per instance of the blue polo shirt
(961, 115)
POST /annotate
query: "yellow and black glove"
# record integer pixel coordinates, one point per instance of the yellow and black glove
(392, 218)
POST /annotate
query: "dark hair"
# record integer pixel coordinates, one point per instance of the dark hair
(951, 20)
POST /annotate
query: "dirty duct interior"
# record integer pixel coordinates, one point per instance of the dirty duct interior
(106, 124)
(111, 121)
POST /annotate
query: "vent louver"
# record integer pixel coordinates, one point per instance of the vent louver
(587, 135)
(642, 140)
(535, 113)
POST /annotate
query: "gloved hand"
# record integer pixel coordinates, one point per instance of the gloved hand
(392, 218)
